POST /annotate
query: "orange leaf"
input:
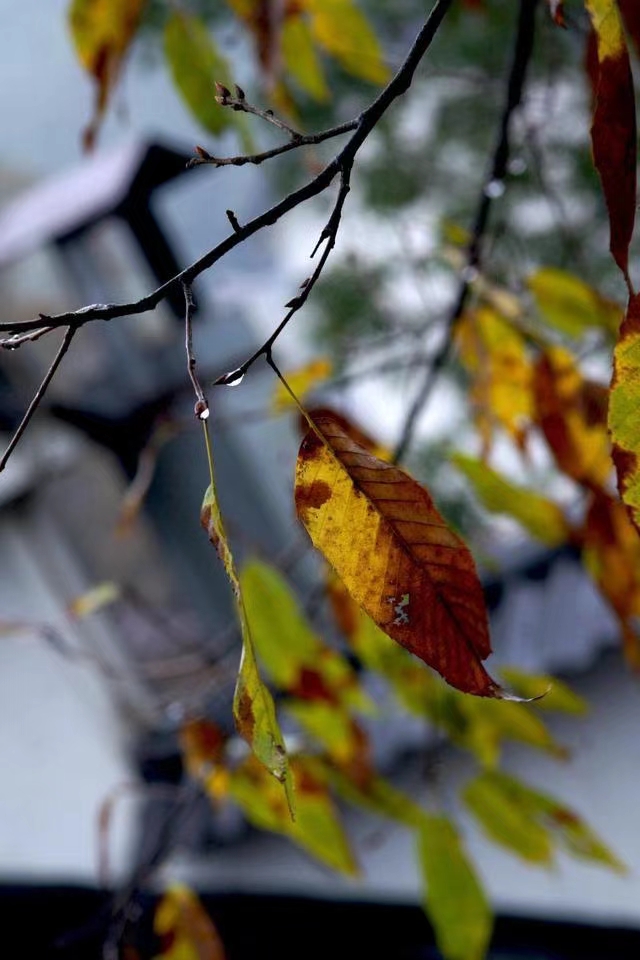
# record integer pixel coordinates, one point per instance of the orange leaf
(383, 535)
(613, 131)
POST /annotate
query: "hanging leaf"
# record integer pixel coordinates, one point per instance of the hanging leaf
(350, 427)
(344, 32)
(253, 708)
(566, 827)
(542, 518)
(295, 658)
(495, 355)
(316, 828)
(102, 32)
(624, 410)
(195, 65)
(343, 740)
(613, 131)
(383, 535)
(455, 901)
(570, 305)
(507, 822)
(565, 413)
(611, 553)
(185, 928)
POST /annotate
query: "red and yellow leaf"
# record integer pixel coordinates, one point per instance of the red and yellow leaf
(624, 410)
(569, 411)
(613, 131)
(382, 533)
(102, 32)
(185, 928)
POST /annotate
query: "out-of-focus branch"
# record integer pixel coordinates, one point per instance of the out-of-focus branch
(491, 189)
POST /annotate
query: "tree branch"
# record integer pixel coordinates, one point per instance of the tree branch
(40, 392)
(523, 49)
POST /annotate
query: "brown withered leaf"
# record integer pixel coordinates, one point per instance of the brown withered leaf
(630, 10)
(350, 427)
(382, 533)
(613, 131)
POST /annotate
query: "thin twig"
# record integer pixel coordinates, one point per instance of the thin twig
(302, 140)
(201, 408)
(523, 49)
(240, 104)
(12, 343)
(39, 394)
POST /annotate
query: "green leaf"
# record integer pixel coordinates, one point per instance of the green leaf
(557, 697)
(195, 64)
(378, 797)
(507, 822)
(543, 519)
(455, 900)
(295, 658)
(568, 828)
(253, 707)
(316, 828)
(570, 305)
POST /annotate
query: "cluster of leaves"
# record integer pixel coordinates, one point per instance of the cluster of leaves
(400, 573)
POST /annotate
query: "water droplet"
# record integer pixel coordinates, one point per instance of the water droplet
(494, 189)
(232, 379)
(517, 167)
(204, 414)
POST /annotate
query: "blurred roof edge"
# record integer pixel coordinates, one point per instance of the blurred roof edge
(65, 203)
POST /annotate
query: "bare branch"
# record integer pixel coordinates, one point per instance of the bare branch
(40, 392)
(496, 173)
(201, 408)
(240, 103)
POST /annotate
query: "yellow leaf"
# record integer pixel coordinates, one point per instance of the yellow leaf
(382, 533)
(102, 32)
(253, 707)
(316, 828)
(570, 305)
(542, 518)
(456, 904)
(344, 31)
(507, 822)
(93, 600)
(301, 60)
(494, 353)
(185, 927)
(378, 796)
(301, 381)
(624, 410)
